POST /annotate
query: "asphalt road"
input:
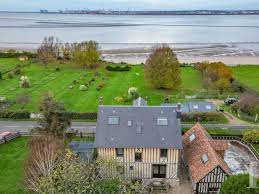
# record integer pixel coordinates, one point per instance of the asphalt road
(26, 126)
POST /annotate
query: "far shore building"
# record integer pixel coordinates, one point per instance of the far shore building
(146, 141)
(204, 158)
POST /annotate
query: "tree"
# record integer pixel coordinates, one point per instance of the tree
(23, 99)
(238, 184)
(53, 121)
(162, 69)
(223, 85)
(66, 49)
(44, 152)
(86, 54)
(251, 136)
(49, 50)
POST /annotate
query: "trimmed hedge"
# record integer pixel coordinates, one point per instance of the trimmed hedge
(202, 117)
(118, 68)
(76, 116)
(21, 114)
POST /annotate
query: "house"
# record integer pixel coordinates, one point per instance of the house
(204, 158)
(196, 106)
(145, 141)
(23, 58)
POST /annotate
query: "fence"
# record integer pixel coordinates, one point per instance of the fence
(239, 140)
(9, 138)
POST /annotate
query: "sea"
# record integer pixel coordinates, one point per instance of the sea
(229, 34)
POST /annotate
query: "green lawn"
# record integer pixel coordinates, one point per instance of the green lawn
(7, 64)
(12, 156)
(248, 75)
(116, 84)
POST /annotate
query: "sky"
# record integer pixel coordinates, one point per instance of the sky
(53, 5)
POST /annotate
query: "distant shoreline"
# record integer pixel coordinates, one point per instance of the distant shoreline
(192, 53)
(147, 13)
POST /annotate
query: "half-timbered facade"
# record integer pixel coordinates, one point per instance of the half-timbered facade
(203, 156)
(145, 140)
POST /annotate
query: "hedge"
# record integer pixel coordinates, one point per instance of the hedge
(118, 68)
(21, 114)
(202, 117)
(76, 116)
(17, 54)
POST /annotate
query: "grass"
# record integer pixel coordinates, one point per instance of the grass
(12, 156)
(248, 75)
(7, 64)
(256, 146)
(116, 84)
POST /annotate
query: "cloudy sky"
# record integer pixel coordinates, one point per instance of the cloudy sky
(35, 5)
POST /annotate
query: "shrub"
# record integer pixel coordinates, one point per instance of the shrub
(133, 93)
(251, 136)
(118, 68)
(1, 75)
(10, 75)
(202, 117)
(57, 69)
(25, 82)
(17, 71)
(238, 184)
(74, 82)
(82, 88)
(21, 114)
(100, 86)
(111, 186)
(119, 99)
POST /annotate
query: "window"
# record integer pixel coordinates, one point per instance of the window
(119, 152)
(162, 121)
(205, 158)
(129, 123)
(139, 129)
(138, 157)
(131, 168)
(113, 120)
(159, 171)
(163, 153)
(208, 107)
(192, 137)
(195, 107)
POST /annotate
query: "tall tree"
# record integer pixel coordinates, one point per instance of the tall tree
(53, 120)
(49, 50)
(86, 54)
(162, 69)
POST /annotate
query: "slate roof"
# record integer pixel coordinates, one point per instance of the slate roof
(152, 135)
(203, 144)
(83, 149)
(195, 106)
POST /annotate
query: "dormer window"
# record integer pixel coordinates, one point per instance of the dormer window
(205, 158)
(196, 107)
(192, 137)
(129, 123)
(139, 129)
(113, 120)
(208, 107)
(162, 121)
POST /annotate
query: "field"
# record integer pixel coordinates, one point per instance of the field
(7, 64)
(248, 75)
(12, 156)
(116, 84)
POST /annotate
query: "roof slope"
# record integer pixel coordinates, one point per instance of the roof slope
(152, 135)
(193, 152)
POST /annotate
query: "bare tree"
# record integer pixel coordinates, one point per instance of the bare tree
(49, 50)
(23, 99)
(43, 154)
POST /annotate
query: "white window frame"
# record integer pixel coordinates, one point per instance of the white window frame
(160, 121)
(192, 137)
(141, 129)
(130, 123)
(113, 123)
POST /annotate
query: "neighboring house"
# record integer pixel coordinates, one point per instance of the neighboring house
(204, 158)
(145, 141)
(196, 106)
(23, 58)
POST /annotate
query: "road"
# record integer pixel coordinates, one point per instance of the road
(26, 126)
